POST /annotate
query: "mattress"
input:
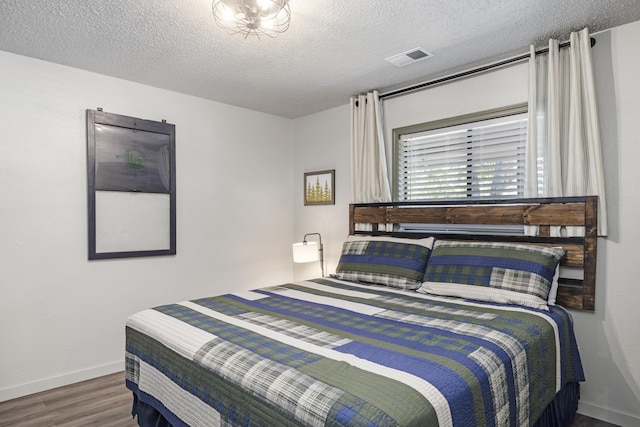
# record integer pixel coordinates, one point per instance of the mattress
(330, 352)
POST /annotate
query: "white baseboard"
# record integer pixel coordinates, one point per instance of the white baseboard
(614, 417)
(59, 381)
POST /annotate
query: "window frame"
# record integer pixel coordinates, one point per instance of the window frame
(397, 134)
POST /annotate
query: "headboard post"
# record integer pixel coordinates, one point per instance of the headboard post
(352, 224)
(590, 252)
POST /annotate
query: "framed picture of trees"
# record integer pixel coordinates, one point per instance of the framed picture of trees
(319, 188)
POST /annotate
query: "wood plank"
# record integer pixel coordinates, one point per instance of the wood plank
(370, 215)
(591, 253)
(352, 220)
(496, 215)
(567, 214)
(416, 215)
(486, 215)
(570, 297)
(571, 214)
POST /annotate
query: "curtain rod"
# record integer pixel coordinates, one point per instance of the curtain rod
(470, 72)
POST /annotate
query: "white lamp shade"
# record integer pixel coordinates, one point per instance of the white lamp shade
(305, 252)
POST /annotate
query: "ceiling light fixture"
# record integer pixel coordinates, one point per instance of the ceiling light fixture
(252, 17)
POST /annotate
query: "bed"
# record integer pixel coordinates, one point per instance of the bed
(386, 341)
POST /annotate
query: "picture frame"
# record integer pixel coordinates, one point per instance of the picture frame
(319, 188)
(131, 186)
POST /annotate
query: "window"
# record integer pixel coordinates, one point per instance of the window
(479, 156)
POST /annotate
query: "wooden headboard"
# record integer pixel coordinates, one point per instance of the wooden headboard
(575, 293)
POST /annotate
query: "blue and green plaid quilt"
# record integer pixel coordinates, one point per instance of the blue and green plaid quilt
(334, 353)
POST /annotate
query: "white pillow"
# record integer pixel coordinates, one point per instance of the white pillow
(553, 292)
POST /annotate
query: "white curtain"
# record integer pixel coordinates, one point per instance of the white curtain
(563, 127)
(369, 177)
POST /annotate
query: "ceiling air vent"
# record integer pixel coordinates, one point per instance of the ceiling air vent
(409, 57)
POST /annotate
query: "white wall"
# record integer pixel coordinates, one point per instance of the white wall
(609, 338)
(321, 143)
(61, 316)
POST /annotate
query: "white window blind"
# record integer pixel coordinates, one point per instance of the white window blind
(480, 160)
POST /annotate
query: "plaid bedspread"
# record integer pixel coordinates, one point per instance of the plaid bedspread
(328, 352)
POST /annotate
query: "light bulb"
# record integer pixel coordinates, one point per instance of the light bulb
(227, 14)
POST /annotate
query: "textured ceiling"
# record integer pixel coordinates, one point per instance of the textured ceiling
(333, 48)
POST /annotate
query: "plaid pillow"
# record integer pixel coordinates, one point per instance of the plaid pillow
(496, 272)
(383, 262)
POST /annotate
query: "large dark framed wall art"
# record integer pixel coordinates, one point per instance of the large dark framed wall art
(131, 175)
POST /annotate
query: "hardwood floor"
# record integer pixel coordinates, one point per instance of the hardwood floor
(103, 402)
(584, 421)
